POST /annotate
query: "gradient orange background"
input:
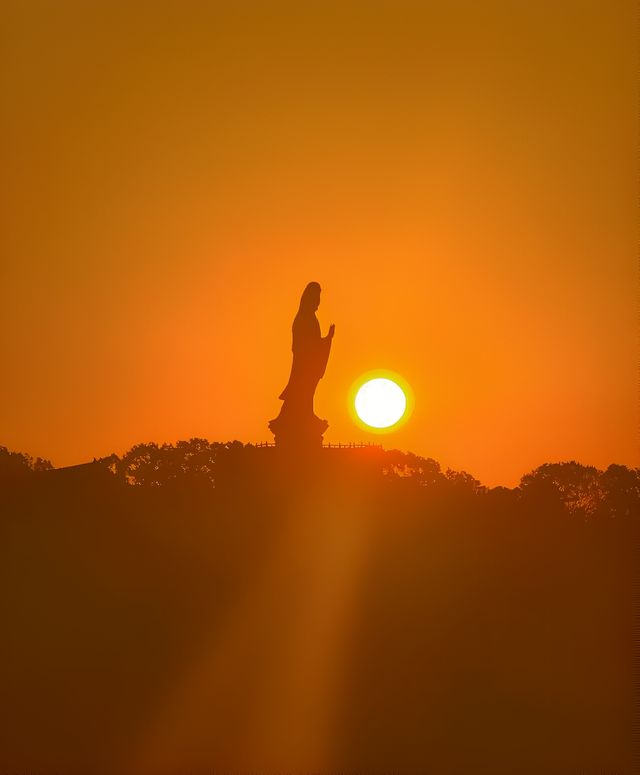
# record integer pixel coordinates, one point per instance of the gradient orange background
(458, 177)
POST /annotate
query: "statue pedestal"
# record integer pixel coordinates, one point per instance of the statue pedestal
(298, 434)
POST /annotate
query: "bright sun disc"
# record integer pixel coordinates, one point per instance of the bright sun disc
(380, 403)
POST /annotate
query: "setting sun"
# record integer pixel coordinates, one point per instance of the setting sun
(380, 403)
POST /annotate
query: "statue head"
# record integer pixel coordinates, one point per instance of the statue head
(310, 300)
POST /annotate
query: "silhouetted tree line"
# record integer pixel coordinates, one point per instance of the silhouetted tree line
(451, 617)
(18, 464)
(570, 486)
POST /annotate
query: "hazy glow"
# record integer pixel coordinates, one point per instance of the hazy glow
(380, 403)
(463, 200)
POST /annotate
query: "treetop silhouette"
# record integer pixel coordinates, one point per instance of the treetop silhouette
(567, 487)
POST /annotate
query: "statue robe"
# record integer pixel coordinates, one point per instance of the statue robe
(310, 356)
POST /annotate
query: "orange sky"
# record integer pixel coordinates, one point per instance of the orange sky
(458, 177)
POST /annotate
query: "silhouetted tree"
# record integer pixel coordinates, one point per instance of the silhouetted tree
(18, 464)
(110, 462)
(42, 464)
(406, 465)
(620, 491)
(194, 461)
(197, 459)
(575, 486)
(147, 465)
(463, 482)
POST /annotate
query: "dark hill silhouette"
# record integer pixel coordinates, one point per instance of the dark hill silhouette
(580, 490)
(207, 606)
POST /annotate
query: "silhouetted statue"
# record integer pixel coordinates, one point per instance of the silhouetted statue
(297, 426)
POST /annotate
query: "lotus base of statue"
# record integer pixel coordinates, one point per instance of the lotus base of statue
(297, 433)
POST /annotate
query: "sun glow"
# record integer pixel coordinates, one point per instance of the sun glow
(380, 403)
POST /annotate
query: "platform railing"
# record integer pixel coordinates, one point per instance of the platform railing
(332, 445)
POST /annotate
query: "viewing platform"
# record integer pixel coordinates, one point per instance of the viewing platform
(332, 445)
